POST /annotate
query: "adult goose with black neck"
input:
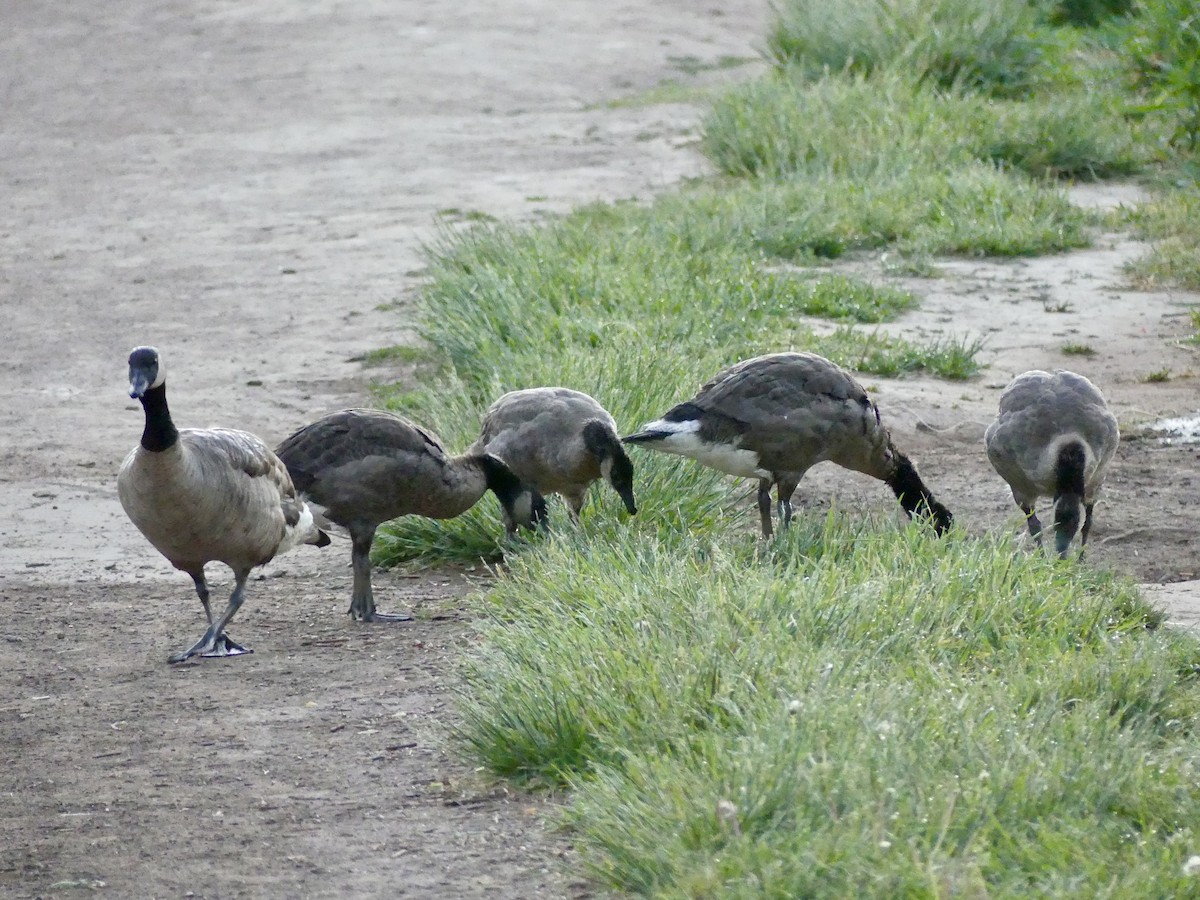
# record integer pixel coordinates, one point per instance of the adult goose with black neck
(207, 495)
(774, 417)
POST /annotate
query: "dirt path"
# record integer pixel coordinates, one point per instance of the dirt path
(247, 185)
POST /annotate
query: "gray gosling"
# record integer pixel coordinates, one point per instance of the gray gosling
(207, 495)
(557, 440)
(363, 467)
(774, 417)
(1054, 437)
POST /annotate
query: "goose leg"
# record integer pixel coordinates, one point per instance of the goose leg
(202, 593)
(785, 488)
(575, 505)
(215, 641)
(1035, 527)
(1085, 529)
(541, 517)
(764, 506)
(1087, 524)
(362, 599)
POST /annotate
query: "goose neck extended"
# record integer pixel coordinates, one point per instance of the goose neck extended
(160, 433)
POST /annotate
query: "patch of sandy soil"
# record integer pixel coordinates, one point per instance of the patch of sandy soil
(248, 185)
(1025, 312)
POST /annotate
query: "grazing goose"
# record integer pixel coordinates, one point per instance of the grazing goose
(207, 495)
(774, 417)
(366, 467)
(557, 440)
(1054, 437)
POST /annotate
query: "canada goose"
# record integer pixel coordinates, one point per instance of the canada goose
(366, 467)
(207, 495)
(1054, 437)
(774, 417)
(557, 440)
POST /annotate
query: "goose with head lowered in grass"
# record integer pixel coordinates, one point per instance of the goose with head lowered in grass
(207, 495)
(364, 467)
(558, 440)
(1054, 437)
(774, 417)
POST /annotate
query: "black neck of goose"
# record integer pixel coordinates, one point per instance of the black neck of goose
(160, 433)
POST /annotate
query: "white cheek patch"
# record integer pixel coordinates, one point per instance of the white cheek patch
(722, 457)
(606, 468)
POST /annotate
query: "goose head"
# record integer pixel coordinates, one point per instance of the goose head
(615, 465)
(146, 371)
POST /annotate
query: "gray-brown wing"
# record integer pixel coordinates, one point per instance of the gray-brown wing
(246, 495)
(242, 452)
(539, 433)
(554, 409)
(795, 409)
(350, 436)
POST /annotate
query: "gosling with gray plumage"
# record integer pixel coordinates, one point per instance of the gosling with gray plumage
(364, 467)
(1054, 437)
(210, 495)
(558, 440)
(776, 416)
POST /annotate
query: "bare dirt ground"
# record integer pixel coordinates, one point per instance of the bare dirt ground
(247, 186)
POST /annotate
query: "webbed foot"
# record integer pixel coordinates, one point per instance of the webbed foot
(221, 645)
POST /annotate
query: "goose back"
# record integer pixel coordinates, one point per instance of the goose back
(369, 466)
(538, 432)
(792, 411)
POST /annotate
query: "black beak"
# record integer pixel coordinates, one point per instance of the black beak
(627, 496)
(139, 382)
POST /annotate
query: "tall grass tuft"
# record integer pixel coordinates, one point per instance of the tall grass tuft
(889, 126)
(1172, 225)
(964, 43)
(1163, 47)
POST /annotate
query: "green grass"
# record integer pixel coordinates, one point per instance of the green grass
(1074, 349)
(947, 42)
(854, 708)
(695, 274)
(694, 65)
(889, 126)
(399, 353)
(669, 91)
(1162, 45)
(1171, 223)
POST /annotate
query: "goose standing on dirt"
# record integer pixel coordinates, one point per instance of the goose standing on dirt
(1054, 437)
(557, 440)
(774, 417)
(207, 495)
(364, 467)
